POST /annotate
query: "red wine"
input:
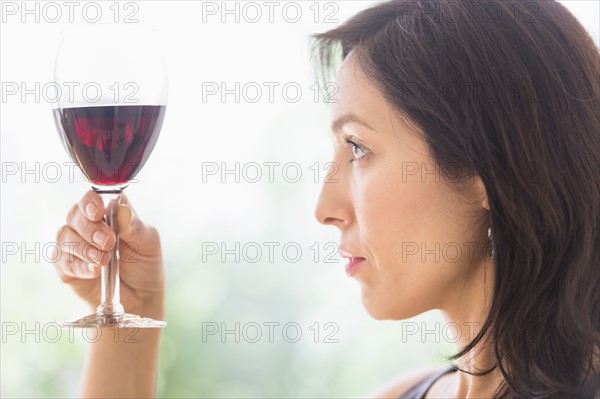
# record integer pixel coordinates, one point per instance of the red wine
(110, 143)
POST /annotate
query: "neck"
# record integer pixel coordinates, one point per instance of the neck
(468, 311)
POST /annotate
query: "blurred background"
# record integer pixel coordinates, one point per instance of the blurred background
(301, 328)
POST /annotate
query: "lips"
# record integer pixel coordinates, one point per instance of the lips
(353, 262)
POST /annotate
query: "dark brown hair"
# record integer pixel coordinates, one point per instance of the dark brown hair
(511, 89)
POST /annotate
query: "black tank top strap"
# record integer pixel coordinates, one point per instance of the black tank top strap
(418, 391)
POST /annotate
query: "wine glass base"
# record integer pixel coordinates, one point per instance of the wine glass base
(124, 321)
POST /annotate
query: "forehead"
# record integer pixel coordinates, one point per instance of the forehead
(353, 84)
(357, 95)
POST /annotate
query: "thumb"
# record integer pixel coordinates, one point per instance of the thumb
(133, 230)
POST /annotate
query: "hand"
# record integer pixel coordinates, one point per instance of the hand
(86, 241)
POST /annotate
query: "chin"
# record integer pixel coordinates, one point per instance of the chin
(382, 309)
(378, 309)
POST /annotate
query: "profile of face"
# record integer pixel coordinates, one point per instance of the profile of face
(422, 242)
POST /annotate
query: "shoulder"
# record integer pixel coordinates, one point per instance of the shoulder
(405, 381)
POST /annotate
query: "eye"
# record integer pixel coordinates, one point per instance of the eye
(358, 151)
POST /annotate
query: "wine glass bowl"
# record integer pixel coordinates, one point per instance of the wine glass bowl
(110, 143)
(109, 122)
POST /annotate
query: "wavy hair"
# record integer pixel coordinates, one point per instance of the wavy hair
(512, 89)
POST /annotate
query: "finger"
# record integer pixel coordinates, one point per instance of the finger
(139, 241)
(97, 233)
(132, 229)
(75, 268)
(125, 219)
(91, 206)
(73, 245)
(125, 200)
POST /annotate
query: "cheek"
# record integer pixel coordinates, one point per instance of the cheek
(395, 215)
(397, 221)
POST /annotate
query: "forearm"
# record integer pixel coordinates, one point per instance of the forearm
(122, 363)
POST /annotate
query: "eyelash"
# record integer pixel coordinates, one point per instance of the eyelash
(354, 145)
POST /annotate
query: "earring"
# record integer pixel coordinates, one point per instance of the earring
(491, 251)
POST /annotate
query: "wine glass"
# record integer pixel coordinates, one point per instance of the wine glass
(113, 85)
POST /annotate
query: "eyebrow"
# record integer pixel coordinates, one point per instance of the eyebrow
(337, 125)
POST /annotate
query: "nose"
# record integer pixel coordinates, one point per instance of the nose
(334, 205)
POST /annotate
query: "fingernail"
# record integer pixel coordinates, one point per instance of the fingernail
(93, 253)
(126, 218)
(131, 216)
(91, 210)
(91, 267)
(100, 238)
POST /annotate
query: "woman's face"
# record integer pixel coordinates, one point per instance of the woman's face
(422, 243)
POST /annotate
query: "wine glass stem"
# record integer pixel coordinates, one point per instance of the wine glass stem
(110, 302)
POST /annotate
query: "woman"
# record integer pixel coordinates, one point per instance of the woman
(468, 144)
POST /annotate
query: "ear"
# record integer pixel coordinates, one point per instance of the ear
(480, 193)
